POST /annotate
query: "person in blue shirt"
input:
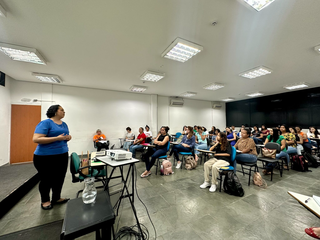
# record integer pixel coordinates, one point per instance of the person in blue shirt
(186, 145)
(51, 156)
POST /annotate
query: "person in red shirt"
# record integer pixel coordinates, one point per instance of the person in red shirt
(138, 142)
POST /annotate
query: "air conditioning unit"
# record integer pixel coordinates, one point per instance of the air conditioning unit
(216, 105)
(176, 102)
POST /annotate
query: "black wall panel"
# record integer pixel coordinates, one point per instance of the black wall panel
(293, 108)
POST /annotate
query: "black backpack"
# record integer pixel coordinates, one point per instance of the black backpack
(299, 163)
(232, 185)
(312, 161)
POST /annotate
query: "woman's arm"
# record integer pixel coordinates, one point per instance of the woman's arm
(203, 137)
(283, 144)
(42, 139)
(266, 141)
(222, 155)
(165, 140)
(156, 140)
(261, 136)
(211, 149)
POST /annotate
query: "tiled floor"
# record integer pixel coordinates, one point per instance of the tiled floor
(179, 209)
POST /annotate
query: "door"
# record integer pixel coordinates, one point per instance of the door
(24, 119)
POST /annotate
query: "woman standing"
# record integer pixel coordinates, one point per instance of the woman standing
(51, 156)
(161, 143)
(221, 159)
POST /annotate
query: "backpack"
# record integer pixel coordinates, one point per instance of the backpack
(232, 185)
(191, 163)
(299, 163)
(312, 161)
(166, 168)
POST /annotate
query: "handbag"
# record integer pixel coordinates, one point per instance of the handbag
(269, 153)
(258, 180)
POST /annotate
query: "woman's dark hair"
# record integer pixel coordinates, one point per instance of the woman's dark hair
(294, 129)
(214, 128)
(223, 141)
(275, 136)
(299, 127)
(228, 131)
(218, 130)
(184, 127)
(128, 128)
(256, 127)
(166, 128)
(147, 127)
(248, 131)
(142, 129)
(286, 127)
(204, 129)
(316, 133)
(263, 127)
(199, 127)
(52, 111)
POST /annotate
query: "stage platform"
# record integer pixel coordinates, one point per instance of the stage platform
(16, 181)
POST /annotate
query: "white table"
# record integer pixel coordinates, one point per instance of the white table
(307, 202)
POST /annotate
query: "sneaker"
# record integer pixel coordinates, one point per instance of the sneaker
(205, 185)
(178, 165)
(213, 188)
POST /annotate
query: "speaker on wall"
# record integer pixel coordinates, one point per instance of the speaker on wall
(2, 79)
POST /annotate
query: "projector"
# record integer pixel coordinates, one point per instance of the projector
(119, 154)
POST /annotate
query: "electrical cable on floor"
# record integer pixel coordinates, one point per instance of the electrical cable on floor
(130, 231)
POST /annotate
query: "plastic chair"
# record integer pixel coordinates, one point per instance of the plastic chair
(78, 176)
(231, 167)
(184, 154)
(162, 157)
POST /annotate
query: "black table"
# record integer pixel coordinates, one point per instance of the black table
(81, 219)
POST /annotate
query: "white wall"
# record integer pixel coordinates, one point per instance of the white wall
(193, 112)
(5, 115)
(111, 111)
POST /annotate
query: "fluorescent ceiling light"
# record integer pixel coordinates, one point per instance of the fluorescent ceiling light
(23, 54)
(213, 86)
(227, 99)
(152, 76)
(259, 4)
(297, 86)
(256, 72)
(188, 94)
(181, 50)
(317, 49)
(44, 77)
(3, 12)
(136, 88)
(254, 94)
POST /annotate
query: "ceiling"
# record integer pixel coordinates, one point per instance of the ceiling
(108, 44)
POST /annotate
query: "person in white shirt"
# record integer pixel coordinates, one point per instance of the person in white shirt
(148, 134)
(129, 137)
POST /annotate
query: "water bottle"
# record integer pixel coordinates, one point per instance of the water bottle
(89, 193)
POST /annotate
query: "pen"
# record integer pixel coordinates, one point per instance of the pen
(306, 201)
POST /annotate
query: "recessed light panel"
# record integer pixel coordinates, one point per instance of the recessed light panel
(297, 86)
(43, 77)
(213, 86)
(188, 94)
(254, 94)
(3, 12)
(181, 50)
(151, 76)
(23, 54)
(256, 72)
(259, 4)
(227, 99)
(136, 88)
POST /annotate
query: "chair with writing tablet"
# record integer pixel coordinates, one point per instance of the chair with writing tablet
(232, 167)
(160, 159)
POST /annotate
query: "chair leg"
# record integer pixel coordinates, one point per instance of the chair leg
(242, 169)
(220, 182)
(157, 166)
(271, 173)
(249, 175)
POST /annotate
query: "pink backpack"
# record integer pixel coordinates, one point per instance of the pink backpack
(166, 168)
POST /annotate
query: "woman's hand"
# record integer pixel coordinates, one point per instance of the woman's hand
(69, 137)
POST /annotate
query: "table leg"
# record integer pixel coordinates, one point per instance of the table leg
(133, 182)
(106, 233)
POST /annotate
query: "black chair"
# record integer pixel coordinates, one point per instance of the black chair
(95, 144)
(248, 166)
(277, 162)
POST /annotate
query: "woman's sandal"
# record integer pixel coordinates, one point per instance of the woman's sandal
(145, 175)
(46, 207)
(311, 233)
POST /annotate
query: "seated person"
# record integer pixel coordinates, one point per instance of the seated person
(212, 132)
(214, 136)
(148, 134)
(204, 129)
(161, 142)
(233, 128)
(221, 159)
(239, 133)
(248, 148)
(184, 130)
(128, 139)
(265, 132)
(306, 144)
(231, 136)
(257, 135)
(275, 137)
(186, 145)
(290, 139)
(195, 129)
(201, 142)
(298, 141)
(138, 142)
(100, 140)
(313, 134)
